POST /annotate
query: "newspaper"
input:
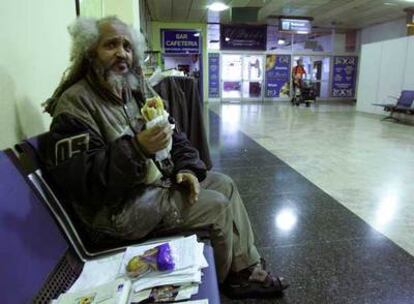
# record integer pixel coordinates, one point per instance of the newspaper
(188, 258)
(97, 272)
(164, 294)
(189, 262)
(115, 292)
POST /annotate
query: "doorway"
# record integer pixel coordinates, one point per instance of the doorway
(242, 77)
(317, 73)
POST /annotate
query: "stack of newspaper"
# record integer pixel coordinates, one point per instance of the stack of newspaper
(188, 259)
(101, 279)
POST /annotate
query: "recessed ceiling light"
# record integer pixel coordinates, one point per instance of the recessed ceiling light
(281, 41)
(217, 6)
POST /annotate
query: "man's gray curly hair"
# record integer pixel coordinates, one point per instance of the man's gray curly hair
(85, 36)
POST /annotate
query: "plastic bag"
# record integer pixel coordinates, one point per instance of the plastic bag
(158, 258)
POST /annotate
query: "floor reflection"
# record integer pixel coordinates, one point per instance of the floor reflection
(329, 254)
(363, 162)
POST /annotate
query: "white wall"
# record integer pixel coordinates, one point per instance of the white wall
(385, 69)
(126, 10)
(33, 55)
(409, 65)
(384, 31)
(339, 43)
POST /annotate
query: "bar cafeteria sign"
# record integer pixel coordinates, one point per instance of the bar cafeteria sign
(181, 42)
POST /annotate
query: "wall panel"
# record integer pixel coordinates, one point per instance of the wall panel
(369, 74)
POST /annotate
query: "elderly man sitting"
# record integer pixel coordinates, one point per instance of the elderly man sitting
(100, 155)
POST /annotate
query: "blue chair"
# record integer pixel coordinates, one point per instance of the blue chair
(86, 246)
(404, 105)
(33, 245)
(73, 234)
(80, 239)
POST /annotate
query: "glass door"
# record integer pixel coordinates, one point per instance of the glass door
(252, 77)
(231, 76)
(317, 73)
(242, 77)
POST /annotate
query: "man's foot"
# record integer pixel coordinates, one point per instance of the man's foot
(253, 282)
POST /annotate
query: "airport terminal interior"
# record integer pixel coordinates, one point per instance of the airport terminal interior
(308, 105)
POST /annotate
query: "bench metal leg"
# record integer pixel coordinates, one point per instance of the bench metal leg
(390, 117)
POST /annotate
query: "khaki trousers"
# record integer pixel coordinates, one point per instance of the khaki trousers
(220, 206)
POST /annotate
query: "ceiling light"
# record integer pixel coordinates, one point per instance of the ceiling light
(281, 41)
(390, 3)
(218, 6)
(227, 39)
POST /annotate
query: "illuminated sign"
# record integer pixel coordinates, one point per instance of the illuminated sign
(181, 41)
(299, 26)
(243, 37)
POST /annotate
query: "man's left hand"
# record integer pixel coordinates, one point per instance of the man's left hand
(191, 182)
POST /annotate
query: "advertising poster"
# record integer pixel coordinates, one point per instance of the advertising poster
(181, 42)
(277, 75)
(344, 76)
(213, 75)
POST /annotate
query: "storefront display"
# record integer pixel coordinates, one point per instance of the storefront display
(344, 76)
(256, 62)
(277, 75)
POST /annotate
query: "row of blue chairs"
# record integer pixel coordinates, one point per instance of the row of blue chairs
(43, 247)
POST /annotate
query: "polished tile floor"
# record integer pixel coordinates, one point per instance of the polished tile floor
(328, 193)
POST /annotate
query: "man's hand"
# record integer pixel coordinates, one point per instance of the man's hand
(191, 182)
(155, 139)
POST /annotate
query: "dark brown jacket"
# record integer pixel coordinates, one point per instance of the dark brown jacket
(95, 161)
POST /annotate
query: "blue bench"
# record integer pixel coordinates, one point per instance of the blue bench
(76, 232)
(405, 105)
(33, 246)
(43, 252)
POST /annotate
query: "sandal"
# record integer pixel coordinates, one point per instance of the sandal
(254, 283)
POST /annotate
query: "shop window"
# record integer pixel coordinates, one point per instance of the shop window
(316, 41)
(277, 40)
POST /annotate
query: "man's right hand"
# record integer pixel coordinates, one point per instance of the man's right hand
(155, 139)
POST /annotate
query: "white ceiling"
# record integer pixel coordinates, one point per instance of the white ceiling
(345, 14)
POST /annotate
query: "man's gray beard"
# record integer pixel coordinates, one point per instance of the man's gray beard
(114, 80)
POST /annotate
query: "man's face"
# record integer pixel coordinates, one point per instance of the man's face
(300, 62)
(114, 51)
